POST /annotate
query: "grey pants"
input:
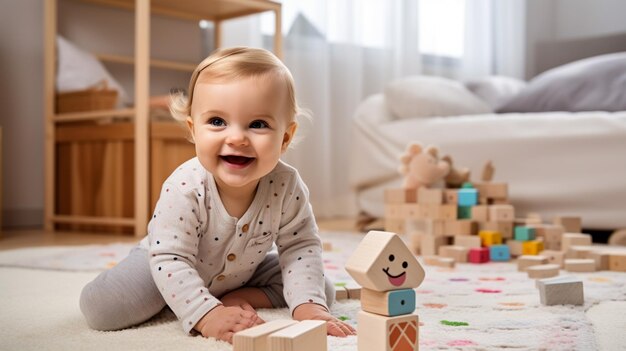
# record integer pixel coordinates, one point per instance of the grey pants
(126, 294)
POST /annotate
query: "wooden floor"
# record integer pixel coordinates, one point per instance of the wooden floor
(37, 237)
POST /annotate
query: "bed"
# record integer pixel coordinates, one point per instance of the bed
(556, 162)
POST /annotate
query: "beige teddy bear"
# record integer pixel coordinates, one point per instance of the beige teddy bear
(422, 167)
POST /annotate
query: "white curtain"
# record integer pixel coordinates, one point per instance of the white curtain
(341, 51)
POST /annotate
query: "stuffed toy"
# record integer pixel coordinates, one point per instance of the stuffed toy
(422, 167)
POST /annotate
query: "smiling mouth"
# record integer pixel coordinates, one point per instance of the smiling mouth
(395, 280)
(239, 161)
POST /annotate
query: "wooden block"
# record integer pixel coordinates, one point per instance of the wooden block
(415, 242)
(447, 212)
(446, 262)
(467, 241)
(340, 292)
(617, 261)
(354, 290)
(428, 196)
(490, 237)
(533, 247)
(479, 213)
(579, 251)
(488, 171)
(551, 234)
(381, 333)
(394, 211)
(515, 247)
(460, 227)
(450, 197)
(492, 190)
(429, 244)
(570, 224)
(256, 338)
(501, 213)
(525, 261)
(499, 253)
(458, 253)
(478, 255)
(523, 233)
(504, 227)
(327, 246)
(467, 197)
(561, 291)
(400, 196)
(382, 262)
(426, 226)
(395, 225)
(579, 265)
(308, 335)
(543, 271)
(572, 239)
(388, 303)
(555, 257)
(601, 259)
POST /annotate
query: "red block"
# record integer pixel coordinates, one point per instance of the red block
(478, 255)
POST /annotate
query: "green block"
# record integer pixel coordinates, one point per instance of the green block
(464, 212)
(524, 233)
(467, 185)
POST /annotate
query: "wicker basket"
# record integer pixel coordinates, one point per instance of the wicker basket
(98, 97)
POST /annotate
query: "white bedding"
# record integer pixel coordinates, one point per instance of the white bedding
(556, 163)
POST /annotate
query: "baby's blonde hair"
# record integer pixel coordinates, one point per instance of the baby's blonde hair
(233, 63)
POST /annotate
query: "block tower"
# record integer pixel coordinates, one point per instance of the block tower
(388, 273)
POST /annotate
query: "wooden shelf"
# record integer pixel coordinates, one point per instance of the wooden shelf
(166, 64)
(94, 220)
(93, 115)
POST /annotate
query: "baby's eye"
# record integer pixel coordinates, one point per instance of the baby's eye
(259, 124)
(216, 122)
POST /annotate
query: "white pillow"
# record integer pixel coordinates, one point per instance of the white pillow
(496, 90)
(424, 96)
(79, 70)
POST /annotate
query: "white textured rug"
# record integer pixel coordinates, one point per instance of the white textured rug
(476, 307)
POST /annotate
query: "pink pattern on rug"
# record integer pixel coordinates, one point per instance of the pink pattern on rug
(489, 291)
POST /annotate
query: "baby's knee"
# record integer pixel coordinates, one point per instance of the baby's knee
(95, 308)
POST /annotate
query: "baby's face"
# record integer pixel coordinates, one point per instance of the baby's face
(240, 128)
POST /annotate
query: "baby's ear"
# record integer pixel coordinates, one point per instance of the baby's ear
(289, 134)
(189, 123)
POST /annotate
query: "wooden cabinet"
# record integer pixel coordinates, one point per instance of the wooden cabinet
(107, 175)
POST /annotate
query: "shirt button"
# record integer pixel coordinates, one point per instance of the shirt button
(231, 257)
(220, 277)
(245, 228)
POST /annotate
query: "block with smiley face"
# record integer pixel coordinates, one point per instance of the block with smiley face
(383, 262)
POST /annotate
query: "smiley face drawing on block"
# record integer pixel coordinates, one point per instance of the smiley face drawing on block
(383, 262)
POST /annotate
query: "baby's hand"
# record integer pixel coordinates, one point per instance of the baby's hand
(223, 322)
(318, 312)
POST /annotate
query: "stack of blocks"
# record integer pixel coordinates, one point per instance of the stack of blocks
(283, 335)
(388, 273)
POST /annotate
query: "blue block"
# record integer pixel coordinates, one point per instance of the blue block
(468, 197)
(499, 253)
(524, 233)
(401, 302)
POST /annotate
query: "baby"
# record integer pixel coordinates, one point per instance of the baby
(208, 253)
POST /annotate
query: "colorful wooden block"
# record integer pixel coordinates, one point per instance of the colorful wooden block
(467, 241)
(464, 212)
(450, 196)
(460, 227)
(579, 265)
(533, 247)
(456, 252)
(381, 333)
(308, 335)
(499, 253)
(525, 261)
(429, 196)
(555, 257)
(543, 271)
(479, 213)
(601, 259)
(501, 213)
(561, 291)
(382, 262)
(429, 244)
(256, 338)
(617, 261)
(467, 197)
(490, 237)
(478, 255)
(388, 303)
(400, 196)
(572, 239)
(515, 247)
(523, 233)
(570, 224)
